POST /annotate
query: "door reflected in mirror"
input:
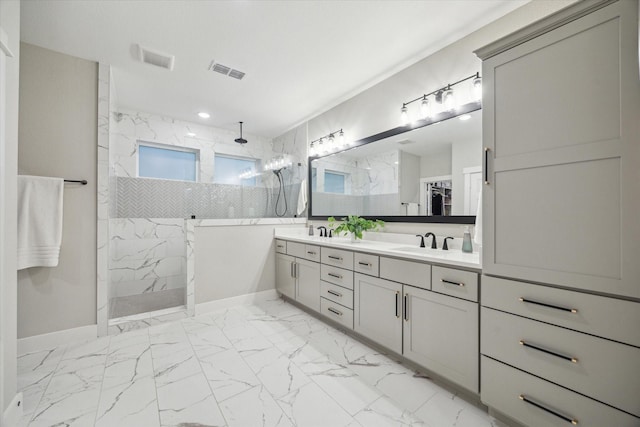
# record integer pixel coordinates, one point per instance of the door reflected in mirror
(430, 171)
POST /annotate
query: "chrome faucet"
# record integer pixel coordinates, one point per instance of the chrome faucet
(434, 244)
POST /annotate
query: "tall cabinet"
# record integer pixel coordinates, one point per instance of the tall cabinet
(561, 204)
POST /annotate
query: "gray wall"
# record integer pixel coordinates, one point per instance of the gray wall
(10, 23)
(58, 137)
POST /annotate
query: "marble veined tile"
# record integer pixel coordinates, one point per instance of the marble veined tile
(342, 384)
(127, 364)
(129, 404)
(384, 412)
(278, 374)
(443, 408)
(228, 374)
(254, 407)
(410, 389)
(189, 401)
(309, 406)
(208, 341)
(45, 359)
(298, 349)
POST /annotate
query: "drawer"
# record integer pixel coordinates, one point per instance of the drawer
(281, 246)
(602, 316)
(366, 264)
(504, 388)
(407, 272)
(337, 258)
(604, 370)
(337, 276)
(300, 250)
(454, 282)
(337, 294)
(337, 313)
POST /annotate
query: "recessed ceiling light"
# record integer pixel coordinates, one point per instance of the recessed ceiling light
(191, 134)
(464, 117)
(203, 115)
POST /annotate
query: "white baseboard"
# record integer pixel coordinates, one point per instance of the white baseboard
(13, 413)
(54, 339)
(208, 307)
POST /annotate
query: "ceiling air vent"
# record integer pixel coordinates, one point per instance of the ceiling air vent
(156, 58)
(227, 71)
(236, 74)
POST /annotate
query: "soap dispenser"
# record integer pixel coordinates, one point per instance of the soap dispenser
(466, 241)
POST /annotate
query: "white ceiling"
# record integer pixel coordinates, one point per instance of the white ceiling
(300, 57)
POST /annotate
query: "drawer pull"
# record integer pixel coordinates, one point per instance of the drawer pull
(561, 356)
(280, 247)
(337, 276)
(556, 307)
(337, 258)
(334, 311)
(397, 296)
(366, 264)
(550, 411)
(312, 253)
(452, 283)
(334, 293)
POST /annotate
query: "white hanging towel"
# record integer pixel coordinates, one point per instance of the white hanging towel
(302, 197)
(39, 221)
(477, 237)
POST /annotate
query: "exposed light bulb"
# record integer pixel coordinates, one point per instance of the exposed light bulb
(312, 150)
(332, 139)
(425, 108)
(477, 88)
(449, 100)
(341, 141)
(404, 115)
(322, 148)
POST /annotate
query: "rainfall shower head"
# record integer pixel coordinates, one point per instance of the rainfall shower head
(241, 140)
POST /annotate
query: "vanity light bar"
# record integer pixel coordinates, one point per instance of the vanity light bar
(331, 142)
(444, 96)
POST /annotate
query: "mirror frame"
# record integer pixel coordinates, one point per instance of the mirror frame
(440, 117)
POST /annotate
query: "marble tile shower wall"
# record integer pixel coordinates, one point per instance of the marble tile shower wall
(147, 255)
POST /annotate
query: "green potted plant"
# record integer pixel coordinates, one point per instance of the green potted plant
(355, 225)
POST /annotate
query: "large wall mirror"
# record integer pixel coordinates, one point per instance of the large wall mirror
(431, 173)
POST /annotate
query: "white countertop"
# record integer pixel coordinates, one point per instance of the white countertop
(453, 257)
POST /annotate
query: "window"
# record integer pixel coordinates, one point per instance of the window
(334, 182)
(156, 161)
(235, 170)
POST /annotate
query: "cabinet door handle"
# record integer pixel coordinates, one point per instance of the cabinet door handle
(550, 411)
(486, 165)
(334, 293)
(397, 302)
(452, 283)
(337, 258)
(552, 353)
(312, 253)
(334, 311)
(295, 270)
(404, 309)
(555, 307)
(337, 276)
(366, 264)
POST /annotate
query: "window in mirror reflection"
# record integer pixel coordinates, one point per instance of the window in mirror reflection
(335, 182)
(314, 179)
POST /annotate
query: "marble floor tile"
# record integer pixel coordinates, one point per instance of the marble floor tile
(129, 404)
(254, 407)
(266, 364)
(228, 374)
(311, 407)
(188, 402)
(342, 384)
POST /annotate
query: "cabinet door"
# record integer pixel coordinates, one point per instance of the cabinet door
(560, 121)
(308, 283)
(378, 310)
(441, 334)
(285, 281)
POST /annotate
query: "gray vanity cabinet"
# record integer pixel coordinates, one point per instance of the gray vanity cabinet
(441, 334)
(308, 283)
(561, 104)
(285, 279)
(378, 310)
